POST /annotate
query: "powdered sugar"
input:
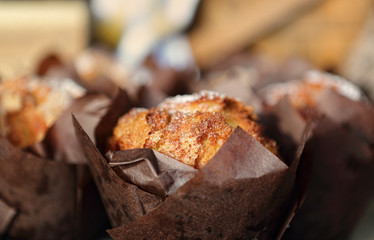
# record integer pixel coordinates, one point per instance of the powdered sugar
(180, 99)
(312, 84)
(177, 103)
(343, 86)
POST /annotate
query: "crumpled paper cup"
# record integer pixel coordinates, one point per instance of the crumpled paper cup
(341, 182)
(42, 193)
(342, 155)
(243, 192)
(60, 142)
(7, 214)
(41, 187)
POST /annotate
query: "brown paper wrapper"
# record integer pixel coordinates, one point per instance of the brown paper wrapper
(62, 145)
(164, 83)
(254, 68)
(60, 142)
(96, 73)
(342, 156)
(150, 170)
(342, 153)
(242, 74)
(99, 72)
(340, 186)
(7, 215)
(244, 191)
(42, 192)
(43, 184)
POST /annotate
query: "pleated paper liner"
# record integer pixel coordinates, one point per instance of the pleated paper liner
(341, 183)
(42, 192)
(341, 152)
(244, 191)
(42, 185)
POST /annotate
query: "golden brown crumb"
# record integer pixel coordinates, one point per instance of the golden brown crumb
(29, 106)
(305, 93)
(189, 128)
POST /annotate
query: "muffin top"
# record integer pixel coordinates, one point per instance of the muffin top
(29, 106)
(305, 93)
(189, 128)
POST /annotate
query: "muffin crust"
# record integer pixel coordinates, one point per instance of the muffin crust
(189, 128)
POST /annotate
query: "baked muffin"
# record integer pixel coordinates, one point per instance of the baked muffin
(304, 94)
(189, 128)
(29, 106)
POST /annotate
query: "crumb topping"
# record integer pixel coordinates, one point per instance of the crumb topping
(189, 128)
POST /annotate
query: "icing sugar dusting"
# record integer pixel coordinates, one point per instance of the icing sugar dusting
(310, 86)
(343, 86)
(173, 103)
(180, 99)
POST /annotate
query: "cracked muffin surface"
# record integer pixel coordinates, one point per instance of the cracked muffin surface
(29, 106)
(189, 128)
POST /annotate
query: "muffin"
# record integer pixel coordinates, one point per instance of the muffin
(29, 106)
(305, 94)
(189, 128)
(339, 151)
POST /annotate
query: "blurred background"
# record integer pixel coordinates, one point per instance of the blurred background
(331, 35)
